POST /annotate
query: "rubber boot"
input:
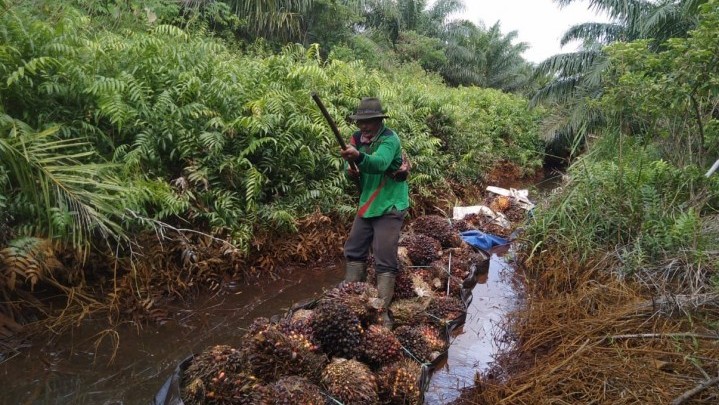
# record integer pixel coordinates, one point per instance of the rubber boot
(385, 288)
(356, 271)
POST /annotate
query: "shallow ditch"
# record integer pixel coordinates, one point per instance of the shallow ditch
(70, 369)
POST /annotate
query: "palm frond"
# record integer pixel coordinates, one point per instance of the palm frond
(603, 33)
(50, 173)
(569, 64)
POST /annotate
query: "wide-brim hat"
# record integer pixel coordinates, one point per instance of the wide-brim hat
(369, 108)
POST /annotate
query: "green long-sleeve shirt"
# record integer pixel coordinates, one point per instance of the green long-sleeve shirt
(380, 193)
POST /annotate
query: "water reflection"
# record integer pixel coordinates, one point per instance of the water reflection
(474, 345)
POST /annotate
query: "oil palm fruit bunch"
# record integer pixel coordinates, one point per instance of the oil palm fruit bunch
(272, 354)
(462, 225)
(437, 227)
(410, 311)
(461, 260)
(433, 336)
(211, 362)
(421, 249)
(350, 382)
(403, 287)
(295, 390)
(298, 327)
(398, 383)
(361, 297)
(500, 203)
(337, 328)
(441, 269)
(379, 347)
(217, 376)
(459, 270)
(228, 389)
(445, 309)
(414, 342)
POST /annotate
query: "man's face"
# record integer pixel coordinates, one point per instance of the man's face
(369, 127)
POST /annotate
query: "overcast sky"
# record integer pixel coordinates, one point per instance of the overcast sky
(540, 23)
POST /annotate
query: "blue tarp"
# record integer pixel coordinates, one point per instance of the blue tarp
(481, 240)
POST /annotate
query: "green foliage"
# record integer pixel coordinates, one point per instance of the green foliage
(54, 188)
(428, 52)
(229, 142)
(638, 206)
(669, 95)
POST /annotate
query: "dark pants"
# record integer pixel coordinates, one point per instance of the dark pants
(380, 233)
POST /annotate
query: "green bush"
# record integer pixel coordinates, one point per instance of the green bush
(233, 142)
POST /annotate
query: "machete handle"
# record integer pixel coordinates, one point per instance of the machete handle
(332, 125)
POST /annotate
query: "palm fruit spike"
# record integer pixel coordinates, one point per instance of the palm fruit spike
(445, 309)
(350, 382)
(379, 347)
(433, 336)
(420, 287)
(421, 249)
(361, 297)
(398, 383)
(257, 325)
(301, 315)
(337, 328)
(414, 343)
(403, 257)
(272, 354)
(295, 390)
(438, 228)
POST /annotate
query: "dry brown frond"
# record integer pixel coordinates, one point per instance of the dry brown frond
(598, 339)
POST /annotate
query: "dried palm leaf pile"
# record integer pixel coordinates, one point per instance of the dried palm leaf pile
(336, 349)
(588, 336)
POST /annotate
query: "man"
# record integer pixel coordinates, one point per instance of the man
(377, 153)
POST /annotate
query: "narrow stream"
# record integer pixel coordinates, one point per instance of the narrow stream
(471, 350)
(71, 370)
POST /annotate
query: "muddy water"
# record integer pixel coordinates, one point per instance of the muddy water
(73, 370)
(472, 348)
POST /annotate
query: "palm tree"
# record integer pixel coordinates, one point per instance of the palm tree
(576, 76)
(484, 58)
